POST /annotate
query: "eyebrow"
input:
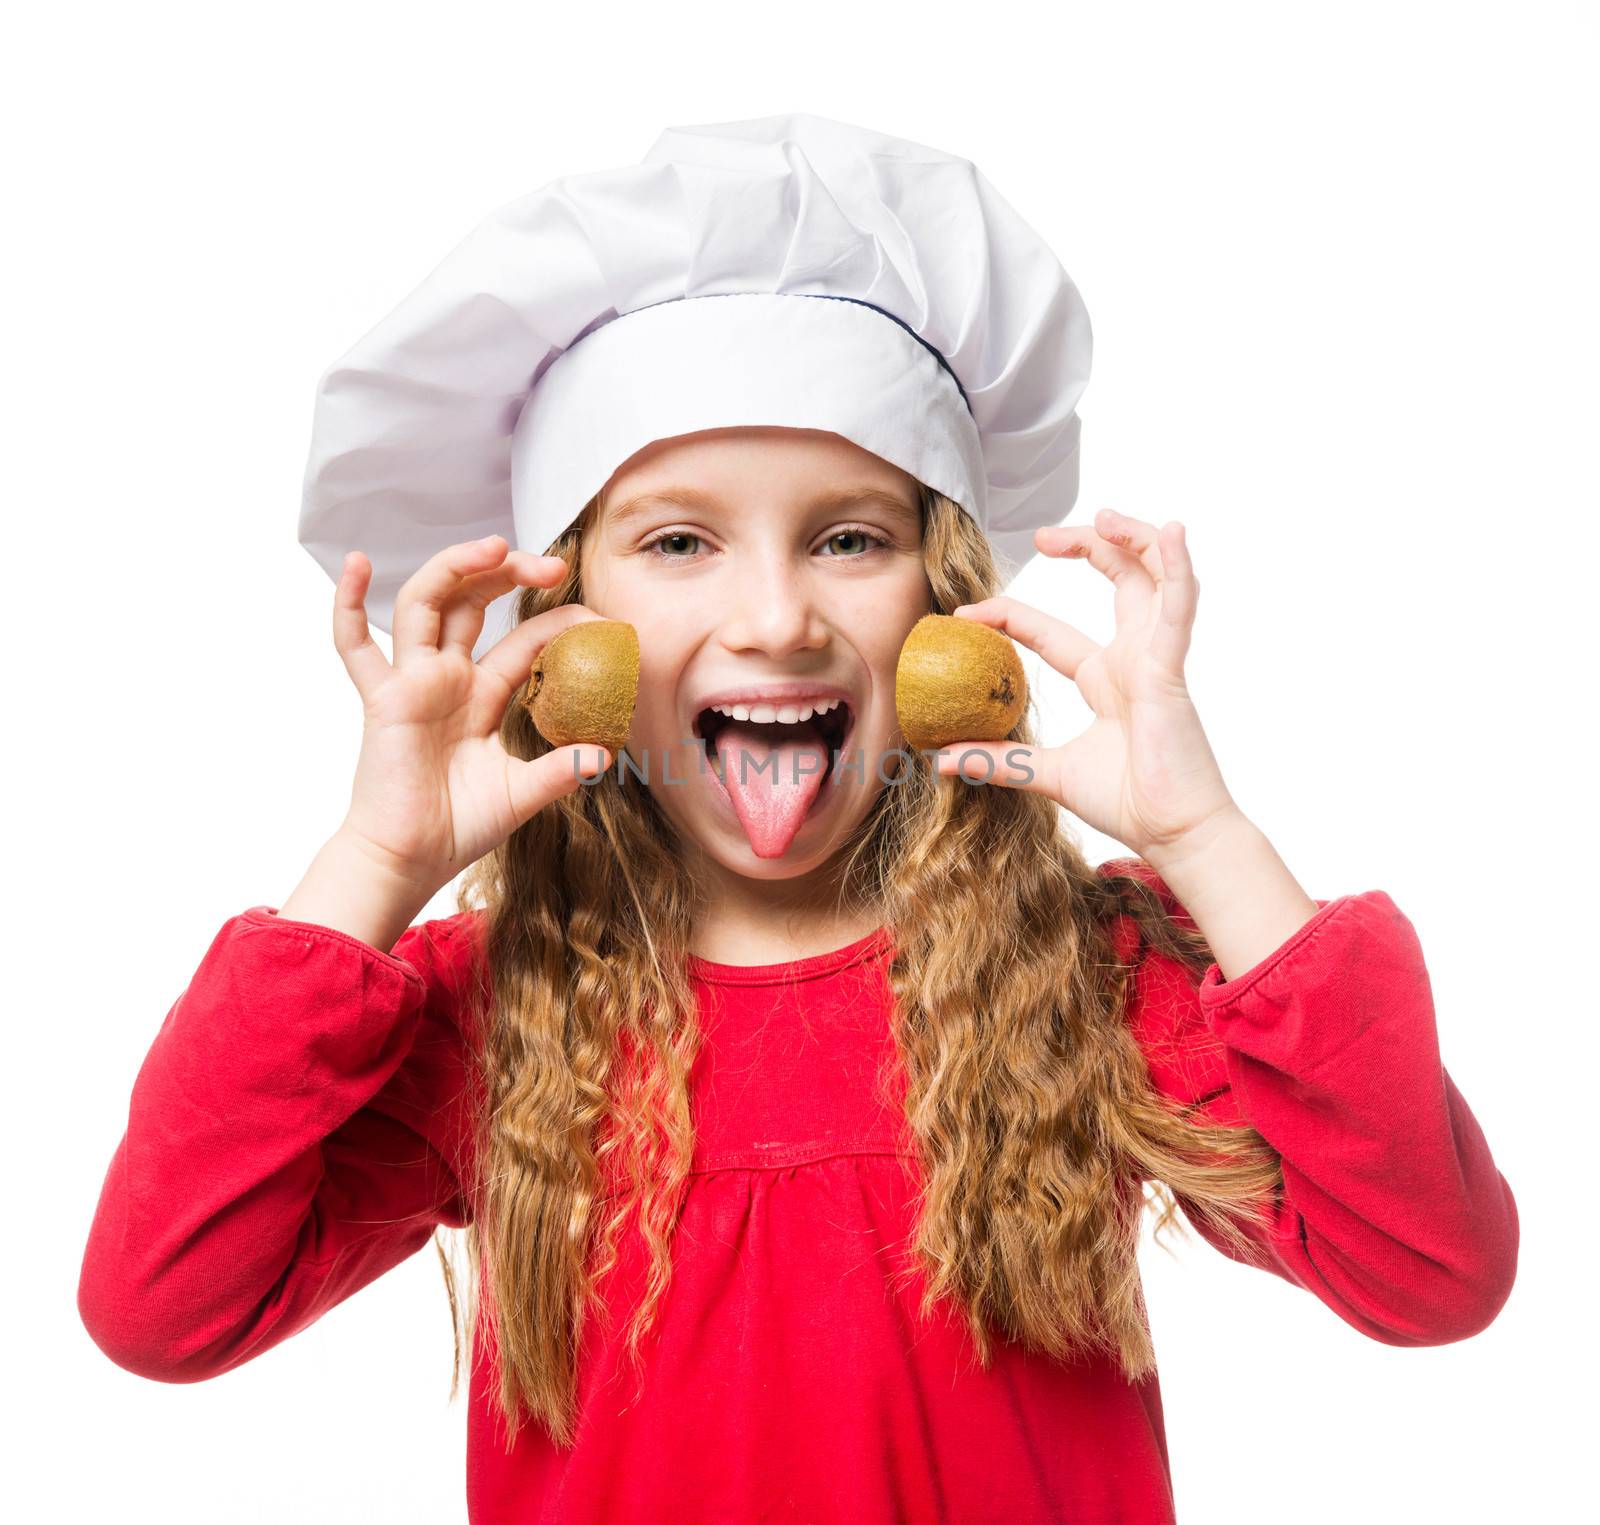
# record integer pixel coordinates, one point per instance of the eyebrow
(695, 497)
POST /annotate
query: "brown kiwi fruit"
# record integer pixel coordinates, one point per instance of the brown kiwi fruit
(957, 680)
(584, 685)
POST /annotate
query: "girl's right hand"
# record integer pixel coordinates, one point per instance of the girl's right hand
(434, 788)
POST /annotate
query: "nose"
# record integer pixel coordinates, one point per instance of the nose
(773, 610)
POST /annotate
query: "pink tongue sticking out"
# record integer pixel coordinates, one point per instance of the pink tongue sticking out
(772, 773)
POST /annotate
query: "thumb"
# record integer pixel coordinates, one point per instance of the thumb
(1008, 763)
(537, 781)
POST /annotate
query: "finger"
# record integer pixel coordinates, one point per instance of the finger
(1121, 566)
(1133, 535)
(536, 782)
(420, 605)
(511, 658)
(1164, 554)
(1060, 644)
(1007, 763)
(363, 658)
(1180, 593)
(463, 614)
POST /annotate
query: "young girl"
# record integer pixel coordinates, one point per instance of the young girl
(801, 1133)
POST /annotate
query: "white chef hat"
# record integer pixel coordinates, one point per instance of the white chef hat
(788, 270)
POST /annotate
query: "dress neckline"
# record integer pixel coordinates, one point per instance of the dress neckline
(879, 940)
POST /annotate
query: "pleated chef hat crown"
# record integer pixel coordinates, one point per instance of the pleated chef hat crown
(580, 323)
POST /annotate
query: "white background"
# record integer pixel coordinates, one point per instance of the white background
(1342, 276)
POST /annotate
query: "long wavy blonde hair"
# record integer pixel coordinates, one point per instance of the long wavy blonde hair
(1027, 1096)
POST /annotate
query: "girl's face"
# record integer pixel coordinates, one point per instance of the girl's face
(761, 564)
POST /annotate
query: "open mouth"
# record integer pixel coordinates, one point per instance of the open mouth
(775, 775)
(831, 729)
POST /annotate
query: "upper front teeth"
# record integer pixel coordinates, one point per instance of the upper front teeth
(786, 714)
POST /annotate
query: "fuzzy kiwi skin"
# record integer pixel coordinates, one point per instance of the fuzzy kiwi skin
(584, 685)
(957, 680)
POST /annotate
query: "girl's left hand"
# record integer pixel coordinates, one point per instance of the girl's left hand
(1143, 772)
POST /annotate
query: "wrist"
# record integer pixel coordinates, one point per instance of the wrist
(1226, 858)
(1230, 880)
(350, 888)
(399, 879)
(1219, 837)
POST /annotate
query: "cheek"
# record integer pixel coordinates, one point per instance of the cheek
(620, 586)
(657, 687)
(891, 601)
(664, 652)
(883, 659)
(883, 627)
(667, 634)
(603, 591)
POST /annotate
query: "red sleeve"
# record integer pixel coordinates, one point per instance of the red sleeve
(1392, 1212)
(295, 1130)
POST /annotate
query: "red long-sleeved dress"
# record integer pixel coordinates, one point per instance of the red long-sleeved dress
(298, 1127)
